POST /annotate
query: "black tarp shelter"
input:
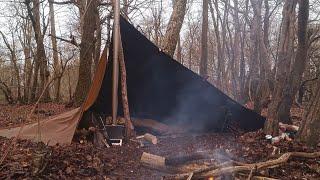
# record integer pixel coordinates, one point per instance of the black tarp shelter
(162, 89)
(159, 88)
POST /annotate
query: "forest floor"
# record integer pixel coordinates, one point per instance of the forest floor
(12, 115)
(84, 161)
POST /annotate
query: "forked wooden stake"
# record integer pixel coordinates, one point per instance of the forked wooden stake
(124, 93)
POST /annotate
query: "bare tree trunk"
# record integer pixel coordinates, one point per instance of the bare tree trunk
(246, 92)
(204, 40)
(174, 26)
(255, 55)
(179, 49)
(157, 14)
(220, 50)
(34, 87)
(260, 58)
(243, 92)
(190, 56)
(25, 41)
(224, 22)
(12, 49)
(56, 65)
(40, 60)
(41, 54)
(7, 92)
(69, 84)
(98, 42)
(286, 38)
(236, 52)
(309, 131)
(86, 52)
(299, 63)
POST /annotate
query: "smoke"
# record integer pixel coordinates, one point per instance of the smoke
(197, 108)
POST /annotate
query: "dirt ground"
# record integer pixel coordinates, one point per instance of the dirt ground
(84, 161)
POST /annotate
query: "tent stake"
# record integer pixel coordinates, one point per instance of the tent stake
(115, 73)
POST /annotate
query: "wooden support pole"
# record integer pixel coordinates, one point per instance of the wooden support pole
(124, 93)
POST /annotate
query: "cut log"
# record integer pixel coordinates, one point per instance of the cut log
(289, 127)
(152, 160)
(151, 138)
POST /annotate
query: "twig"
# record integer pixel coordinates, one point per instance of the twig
(250, 175)
(261, 165)
(210, 171)
(190, 176)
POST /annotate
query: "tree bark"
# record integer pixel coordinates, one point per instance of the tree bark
(55, 55)
(204, 40)
(40, 60)
(86, 52)
(220, 50)
(299, 64)
(285, 47)
(97, 47)
(236, 52)
(12, 49)
(243, 93)
(309, 131)
(179, 53)
(25, 41)
(255, 65)
(124, 93)
(7, 92)
(174, 26)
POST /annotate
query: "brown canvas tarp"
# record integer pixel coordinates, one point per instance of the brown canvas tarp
(61, 128)
(56, 129)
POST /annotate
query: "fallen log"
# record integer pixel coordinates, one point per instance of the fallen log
(262, 165)
(212, 171)
(156, 126)
(161, 164)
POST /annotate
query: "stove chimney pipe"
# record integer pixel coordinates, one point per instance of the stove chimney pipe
(115, 73)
